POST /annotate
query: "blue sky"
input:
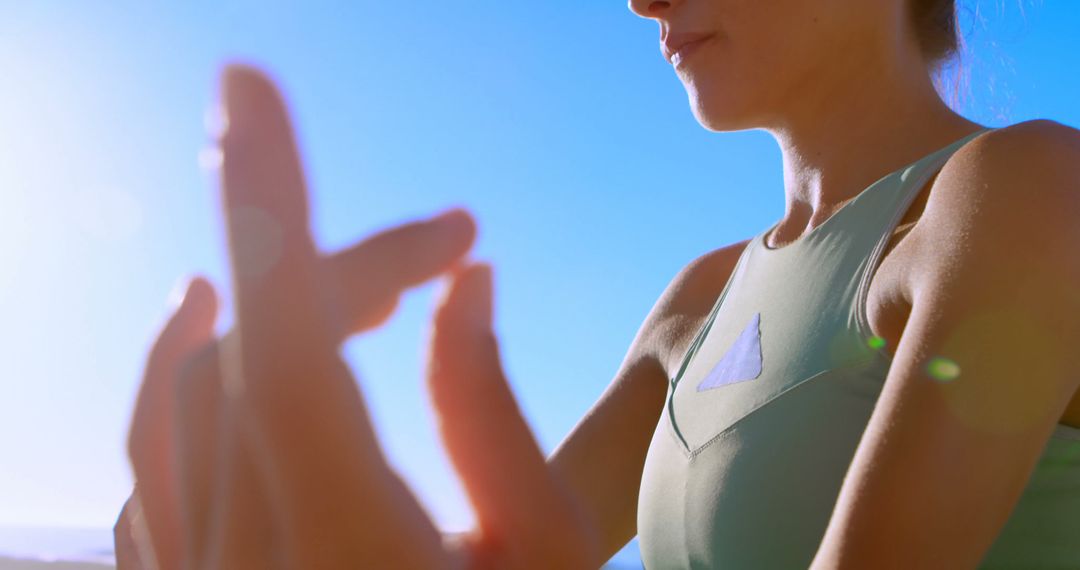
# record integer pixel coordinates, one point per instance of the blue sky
(557, 123)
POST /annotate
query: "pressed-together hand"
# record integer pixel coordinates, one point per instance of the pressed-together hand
(256, 450)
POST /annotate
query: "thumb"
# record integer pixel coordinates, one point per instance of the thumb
(150, 438)
(521, 512)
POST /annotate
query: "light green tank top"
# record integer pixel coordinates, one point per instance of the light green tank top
(764, 415)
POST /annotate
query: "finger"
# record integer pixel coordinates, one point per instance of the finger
(223, 501)
(199, 408)
(282, 323)
(521, 510)
(416, 252)
(327, 479)
(228, 520)
(241, 530)
(465, 375)
(151, 434)
(372, 274)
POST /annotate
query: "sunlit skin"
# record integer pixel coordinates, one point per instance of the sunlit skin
(288, 473)
(979, 302)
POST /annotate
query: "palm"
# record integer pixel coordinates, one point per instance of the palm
(287, 471)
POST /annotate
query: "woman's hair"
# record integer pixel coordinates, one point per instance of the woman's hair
(936, 29)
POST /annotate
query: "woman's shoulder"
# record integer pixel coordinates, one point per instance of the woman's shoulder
(1016, 149)
(685, 303)
(1034, 164)
(1010, 191)
(1046, 130)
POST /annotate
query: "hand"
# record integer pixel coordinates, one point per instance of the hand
(294, 476)
(421, 250)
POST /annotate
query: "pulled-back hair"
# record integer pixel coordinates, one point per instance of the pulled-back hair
(935, 26)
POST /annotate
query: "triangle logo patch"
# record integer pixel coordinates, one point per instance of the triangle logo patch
(742, 361)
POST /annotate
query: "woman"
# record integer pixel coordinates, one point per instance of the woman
(883, 378)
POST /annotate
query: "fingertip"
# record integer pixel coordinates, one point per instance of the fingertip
(238, 79)
(454, 213)
(461, 327)
(248, 95)
(204, 302)
(232, 78)
(194, 295)
(468, 302)
(227, 76)
(461, 223)
(179, 293)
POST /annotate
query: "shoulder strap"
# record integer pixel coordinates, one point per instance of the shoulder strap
(912, 180)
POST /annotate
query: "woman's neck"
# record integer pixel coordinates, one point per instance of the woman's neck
(836, 143)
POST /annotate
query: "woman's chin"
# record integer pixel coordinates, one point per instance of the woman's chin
(718, 115)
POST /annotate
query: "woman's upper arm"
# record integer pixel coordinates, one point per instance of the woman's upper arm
(602, 457)
(985, 366)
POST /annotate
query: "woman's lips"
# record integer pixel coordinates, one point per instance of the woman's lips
(680, 44)
(679, 56)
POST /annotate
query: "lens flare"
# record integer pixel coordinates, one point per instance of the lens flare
(876, 342)
(1015, 361)
(211, 158)
(943, 369)
(215, 120)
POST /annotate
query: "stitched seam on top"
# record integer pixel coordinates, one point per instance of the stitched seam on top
(691, 351)
(671, 429)
(773, 398)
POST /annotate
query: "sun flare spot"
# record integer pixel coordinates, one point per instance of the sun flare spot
(215, 120)
(1014, 365)
(942, 369)
(211, 158)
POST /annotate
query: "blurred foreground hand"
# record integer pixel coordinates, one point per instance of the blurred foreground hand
(256, 450)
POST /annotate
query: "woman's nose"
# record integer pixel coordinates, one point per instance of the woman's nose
(651, 9)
